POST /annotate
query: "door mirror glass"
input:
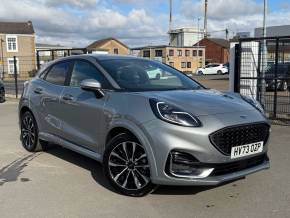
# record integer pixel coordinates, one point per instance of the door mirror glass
(92, 85)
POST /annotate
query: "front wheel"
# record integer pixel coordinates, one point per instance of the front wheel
(219, 72)
(29, 133)
(126, 166)
(200, 72)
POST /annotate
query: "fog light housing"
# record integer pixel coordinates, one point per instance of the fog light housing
(184, 165)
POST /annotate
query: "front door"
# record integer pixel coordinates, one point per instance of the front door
(82, 112)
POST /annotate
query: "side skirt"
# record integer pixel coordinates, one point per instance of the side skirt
(69, 145)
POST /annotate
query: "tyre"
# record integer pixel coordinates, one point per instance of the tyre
(126, 166)
(200, 72)
(29, 133)
(2, 95)
(219, 72)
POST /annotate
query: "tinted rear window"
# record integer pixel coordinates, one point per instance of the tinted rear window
(58, 73)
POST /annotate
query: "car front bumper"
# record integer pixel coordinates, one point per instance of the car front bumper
(164, 138)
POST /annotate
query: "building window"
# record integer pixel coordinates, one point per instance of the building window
(11, 43)
(200, 53)
(116, 51)
(183, 64)
(60, 53)
(10, 64)
(179, 52)
(187, 53)
(146, 54)
(194, 53)
(171, 52)
(188, 64)
(158, 53)
(171, 64)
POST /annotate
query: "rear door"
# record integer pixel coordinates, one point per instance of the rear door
(46, 93)
(82, 113)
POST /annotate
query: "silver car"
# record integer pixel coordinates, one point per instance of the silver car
(167, 130)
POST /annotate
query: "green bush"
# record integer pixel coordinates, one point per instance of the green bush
(32, 73)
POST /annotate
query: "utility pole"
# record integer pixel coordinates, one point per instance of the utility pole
(264, 53)
(198, 30)
(170, 15)
(265, 18)
(227, 33)
(205, 19)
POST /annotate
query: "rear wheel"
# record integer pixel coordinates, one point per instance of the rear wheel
(2, 95)
(126, 166)
(29, 133)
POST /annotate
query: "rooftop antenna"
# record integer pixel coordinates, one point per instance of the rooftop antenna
(205, 18)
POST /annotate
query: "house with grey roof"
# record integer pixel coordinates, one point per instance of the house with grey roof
(17, 39)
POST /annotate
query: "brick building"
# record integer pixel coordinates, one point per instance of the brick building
(216, 50)
(185, 59)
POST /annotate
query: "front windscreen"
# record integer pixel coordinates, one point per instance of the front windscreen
(145, 75)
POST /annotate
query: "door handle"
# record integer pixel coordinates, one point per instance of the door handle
(67, 97)
(38, 90)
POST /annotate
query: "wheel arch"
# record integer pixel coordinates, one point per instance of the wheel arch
(138, 133)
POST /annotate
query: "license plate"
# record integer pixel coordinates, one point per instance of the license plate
(245, 150)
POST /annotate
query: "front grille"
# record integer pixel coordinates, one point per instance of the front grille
(222, 169)
(229, 137)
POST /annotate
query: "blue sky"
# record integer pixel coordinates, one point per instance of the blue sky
(135, 22)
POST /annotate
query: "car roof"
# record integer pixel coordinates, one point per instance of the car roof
(101, 57)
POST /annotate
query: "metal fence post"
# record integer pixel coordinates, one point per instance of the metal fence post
(276, 69)
(15, 76)
(237, 67)
(37, 60)
(52, 54)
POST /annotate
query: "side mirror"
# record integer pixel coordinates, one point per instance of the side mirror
(94, 86)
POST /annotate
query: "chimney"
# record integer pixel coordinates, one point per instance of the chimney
(29, 23)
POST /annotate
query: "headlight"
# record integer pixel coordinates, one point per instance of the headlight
(172, 114)
(254, 103)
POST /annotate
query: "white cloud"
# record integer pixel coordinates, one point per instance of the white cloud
(79, 22)
(220, 9)
(72, 3)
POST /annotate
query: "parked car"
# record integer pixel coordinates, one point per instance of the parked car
(154, 74)
(146, 132)
(282, 76)
(2, 92)
(213, 69)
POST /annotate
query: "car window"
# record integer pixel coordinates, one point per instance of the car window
(83, 70)
(145, 75)
(57, 74)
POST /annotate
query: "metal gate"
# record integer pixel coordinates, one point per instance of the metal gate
(262, 71)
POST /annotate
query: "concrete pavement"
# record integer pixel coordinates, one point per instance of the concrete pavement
(61, 183)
